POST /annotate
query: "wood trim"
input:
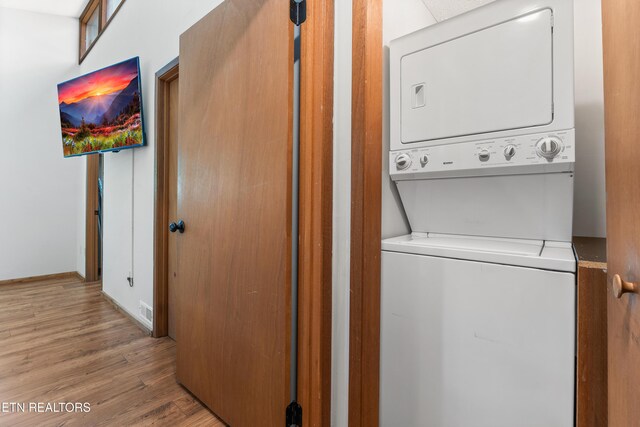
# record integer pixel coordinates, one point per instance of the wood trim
(316, 211)
(91, 232)
(71, 275)
(591, 366)
(168, 72)
(591, 369)
(161, 218)
(88, 9)
(103, 13)
(82, 32)
(366, 187)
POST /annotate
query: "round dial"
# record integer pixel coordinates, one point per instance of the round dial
(509, 151)
(484, 155)
(549, 147)
(403, 161)
(424, 159)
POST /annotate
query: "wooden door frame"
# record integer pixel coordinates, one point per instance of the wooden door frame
(164, 77)
(92, 267)
(316, 212)
(366, 208)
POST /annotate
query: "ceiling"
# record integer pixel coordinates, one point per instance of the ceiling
(71, 8)
(445, 9)
(441, 9)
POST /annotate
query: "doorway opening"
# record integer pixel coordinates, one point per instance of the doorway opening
(167, 84)
(94, 216)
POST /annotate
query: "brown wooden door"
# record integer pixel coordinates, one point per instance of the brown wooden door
(234, 181)
(172, 207)
(621, 21)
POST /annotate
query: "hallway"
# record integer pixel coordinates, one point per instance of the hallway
(62, 341)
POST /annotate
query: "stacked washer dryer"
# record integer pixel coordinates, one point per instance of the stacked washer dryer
(478, 303)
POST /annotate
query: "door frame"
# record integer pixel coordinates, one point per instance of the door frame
(316, 214)
(315, 217)
(92, 263)
(164, 77)
(366, 213)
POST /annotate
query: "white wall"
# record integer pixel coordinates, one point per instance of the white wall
(589, 217)
(444, 9)
(149, 29)
(405, 16)
(341, 214)
(400, 17)
(38, 187)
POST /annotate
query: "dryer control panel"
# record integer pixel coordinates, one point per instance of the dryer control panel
(539, 153)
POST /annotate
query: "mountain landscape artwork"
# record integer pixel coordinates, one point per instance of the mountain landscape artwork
(102, 111)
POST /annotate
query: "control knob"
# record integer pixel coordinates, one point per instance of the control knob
(424, 159)
(509, 151)
(549, 147)
(484, 155)
(403, 162)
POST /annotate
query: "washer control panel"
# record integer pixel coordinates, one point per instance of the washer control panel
(527, 151)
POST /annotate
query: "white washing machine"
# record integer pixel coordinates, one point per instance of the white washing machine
(478, 303)
(477, 332)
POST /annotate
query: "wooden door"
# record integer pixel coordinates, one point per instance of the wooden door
(92, 238)
(234, 195)
(621, 20)
(172, 203)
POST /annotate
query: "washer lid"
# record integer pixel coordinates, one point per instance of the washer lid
(526, 253)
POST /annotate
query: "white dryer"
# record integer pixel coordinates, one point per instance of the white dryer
(478, 303)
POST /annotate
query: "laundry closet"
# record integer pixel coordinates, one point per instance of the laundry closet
(478, 299)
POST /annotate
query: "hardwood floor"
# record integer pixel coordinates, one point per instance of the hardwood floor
(61, 341)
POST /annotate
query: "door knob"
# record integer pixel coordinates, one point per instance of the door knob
(173, 227)
(620, 287)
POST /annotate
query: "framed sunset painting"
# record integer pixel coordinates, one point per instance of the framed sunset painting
(102, 111)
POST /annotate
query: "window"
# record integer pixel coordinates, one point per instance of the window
(94, 21)
(112, 7)
(92, 28)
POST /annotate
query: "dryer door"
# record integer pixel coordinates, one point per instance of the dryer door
(499, 78)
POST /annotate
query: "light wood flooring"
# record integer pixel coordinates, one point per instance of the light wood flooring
(62, 341)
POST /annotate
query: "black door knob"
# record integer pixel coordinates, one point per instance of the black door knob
(173, 227)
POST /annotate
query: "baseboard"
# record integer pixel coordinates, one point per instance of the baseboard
(124, 311)
(57, 276)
